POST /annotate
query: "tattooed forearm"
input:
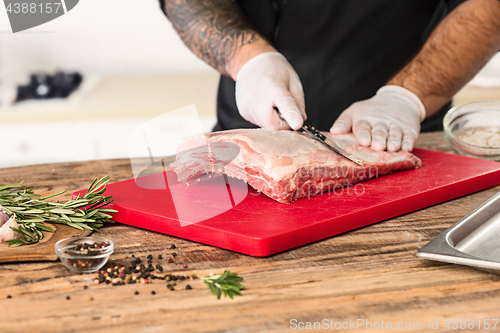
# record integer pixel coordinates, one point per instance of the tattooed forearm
(215, 30)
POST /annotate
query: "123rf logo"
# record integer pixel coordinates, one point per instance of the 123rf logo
(26, 14)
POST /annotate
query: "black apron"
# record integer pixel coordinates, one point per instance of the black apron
(342, 50)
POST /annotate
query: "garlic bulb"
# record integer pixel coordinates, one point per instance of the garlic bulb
(6, 233)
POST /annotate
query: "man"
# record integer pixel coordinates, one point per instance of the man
(377, 68)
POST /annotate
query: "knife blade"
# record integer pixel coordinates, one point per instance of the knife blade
(320, 137)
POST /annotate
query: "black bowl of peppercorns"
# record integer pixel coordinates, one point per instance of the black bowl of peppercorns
(84, 254)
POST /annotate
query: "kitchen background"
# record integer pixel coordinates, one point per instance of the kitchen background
(134, 68)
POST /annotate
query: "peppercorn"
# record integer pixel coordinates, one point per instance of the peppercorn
(138, 260)
(153, 292)
(9, 296)
(150, 257)
(188, 287)
(67, 297)
(170, 260)
(172, 246)
(85, 287)
(185, 266)
(159, 267)
(174, 254)
(133, 256)
(160, 256)
(194, 276)
(136, 292)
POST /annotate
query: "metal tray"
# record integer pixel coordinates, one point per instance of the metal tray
(473, 241)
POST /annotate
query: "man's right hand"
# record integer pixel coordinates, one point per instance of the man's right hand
(267, 81)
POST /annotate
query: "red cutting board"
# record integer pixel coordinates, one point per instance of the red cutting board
(227, 213)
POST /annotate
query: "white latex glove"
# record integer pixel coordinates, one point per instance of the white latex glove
(266, 81)
(389, 120)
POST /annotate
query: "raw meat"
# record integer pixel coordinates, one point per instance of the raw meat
(284, 165)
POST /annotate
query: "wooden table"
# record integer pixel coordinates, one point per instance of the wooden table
(370, 275)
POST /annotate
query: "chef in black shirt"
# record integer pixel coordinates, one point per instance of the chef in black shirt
(383, 69)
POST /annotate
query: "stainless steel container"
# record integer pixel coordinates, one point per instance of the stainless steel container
(473, 241)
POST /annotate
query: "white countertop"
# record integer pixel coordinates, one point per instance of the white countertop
(95, 122)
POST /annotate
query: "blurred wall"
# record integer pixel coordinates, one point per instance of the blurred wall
(97, 36)
(135, 68)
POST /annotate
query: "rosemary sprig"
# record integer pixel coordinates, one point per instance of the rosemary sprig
(226, 282)
(87, 212)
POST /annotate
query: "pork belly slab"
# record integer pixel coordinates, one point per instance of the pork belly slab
(284, 165)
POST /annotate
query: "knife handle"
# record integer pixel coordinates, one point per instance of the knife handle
(313, 131)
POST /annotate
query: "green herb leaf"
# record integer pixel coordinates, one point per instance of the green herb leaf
(87, 212)
(226, 282)
(44, 227)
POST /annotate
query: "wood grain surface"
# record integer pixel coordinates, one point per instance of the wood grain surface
(43, 250)
(369, 274)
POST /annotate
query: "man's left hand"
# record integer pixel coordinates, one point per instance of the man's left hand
(389, 120)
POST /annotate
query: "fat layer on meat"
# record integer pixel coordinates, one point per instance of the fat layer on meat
(284, 165)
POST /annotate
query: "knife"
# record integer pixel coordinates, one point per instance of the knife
(320, 137)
